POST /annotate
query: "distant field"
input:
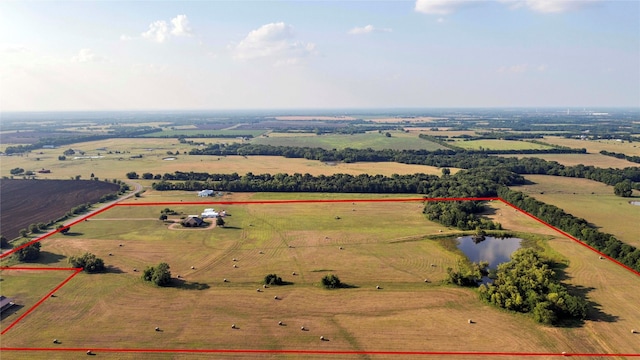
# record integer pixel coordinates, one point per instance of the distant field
(498, 145)
(595, 146)
(373, 140)
(589, 200)
(592, 159)
(204, 132)
(154, 150)
(382, 244)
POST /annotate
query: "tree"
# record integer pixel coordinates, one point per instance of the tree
(273, 279)
(16, 171)
(159, 275)
(4, 243)
(88, 262)
(69, 152)
(64, 230)
(28, 253)
(387, 134)
(446, 171)
(623, 189)
(132, 175)
(331, 281)
(62, 158)
(33, 228)
(219, 221)
(23, 232)
(163, 217)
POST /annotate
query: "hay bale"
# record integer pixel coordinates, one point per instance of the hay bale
(225, 280)
(135, 270)
(193, 267)
(378, 287)
(110, 254)
(261, 252)
(601, 258)
(235, 266)
(341, 248)
(157, 328)
(234, 259)
(280, 323)
(275, 297)
(321, 338)
(265, 286)
(470, 321)
(426, 280)
(55, 341)
(293, 273)
(178, 276)
(302, 328)
(233, 326)
(120, 245)
(633, 331)
(433, 265)
(258, 290)
(89, 352)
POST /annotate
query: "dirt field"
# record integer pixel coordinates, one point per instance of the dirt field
(381, 245)
(26, 202)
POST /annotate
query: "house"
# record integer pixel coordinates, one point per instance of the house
(5, 303)
(192, 221)
(205, 193)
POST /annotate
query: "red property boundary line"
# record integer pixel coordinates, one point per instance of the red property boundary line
(31, 309)
(295, 352)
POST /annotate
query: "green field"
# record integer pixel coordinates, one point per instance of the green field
(498, 145)
(374, 140)
(366, 244)
(207, 133)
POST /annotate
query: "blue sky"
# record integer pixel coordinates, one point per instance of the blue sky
(112, 55)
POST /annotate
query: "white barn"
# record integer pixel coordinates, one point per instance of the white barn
(205, 193)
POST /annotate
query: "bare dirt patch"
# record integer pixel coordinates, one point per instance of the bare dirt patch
(26, 202)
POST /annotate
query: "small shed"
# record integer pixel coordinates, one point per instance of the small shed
(5, 303)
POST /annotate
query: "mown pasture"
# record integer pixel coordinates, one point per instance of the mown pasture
(382, 244)
(590, 200)
(498, 145)
(153, 151)
(398, 141)
(595, 146)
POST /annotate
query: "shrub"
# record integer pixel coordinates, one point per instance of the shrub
(273, 279)
(331, 281)
(88, 262)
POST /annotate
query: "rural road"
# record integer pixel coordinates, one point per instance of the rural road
(136, 188)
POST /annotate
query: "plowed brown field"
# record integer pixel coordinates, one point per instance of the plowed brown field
(25, 202)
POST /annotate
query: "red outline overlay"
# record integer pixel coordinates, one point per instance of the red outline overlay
(75, 272)
(293, 352)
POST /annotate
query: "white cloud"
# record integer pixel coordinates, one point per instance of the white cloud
(274, 40)
(367, 30)
(514, 69)
(557, 6)
(86, 55)
(158, 31)
(180, 26)
(161, 30)
(441, 7)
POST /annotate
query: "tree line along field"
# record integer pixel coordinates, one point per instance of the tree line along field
(383, 244)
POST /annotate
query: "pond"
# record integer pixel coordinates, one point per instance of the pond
(634, 203)
(493, 250)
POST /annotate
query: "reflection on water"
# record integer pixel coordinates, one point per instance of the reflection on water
(493, 250)
(634, 203)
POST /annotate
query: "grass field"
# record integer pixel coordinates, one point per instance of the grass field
(153, 152)
(595, 146)
(498, 145)
(374, 140)
(382, 244)
(202, 132)
(590, 200)
(592, 159)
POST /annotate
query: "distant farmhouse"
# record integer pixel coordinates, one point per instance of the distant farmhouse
(205, 193)
(193, 221)
(5, 303)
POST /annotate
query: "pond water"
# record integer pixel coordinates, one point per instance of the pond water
(493, 250)
(634, 203)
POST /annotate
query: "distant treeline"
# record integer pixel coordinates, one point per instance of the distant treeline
(635, 159)
(439, 158)
(123, 132)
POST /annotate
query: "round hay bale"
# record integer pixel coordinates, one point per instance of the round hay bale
(55, 341)
(110, 254)
(265, 286)
(426, 280)
(275, 297)
(341, 248)
(89, 352)
(433, 265)
(601, 258)
(178, 276)
(234, 259)
(258, 290)
(261, 252)
(633, 331)
(235, 266)
(321, 338)
(280, 323)
(470, 321)
(233, 326)
(120, 245)
(157, 328)
(193, 267)
(302, 328)
(135, 270)
(293, 273)
(377, 287)
(225, 280)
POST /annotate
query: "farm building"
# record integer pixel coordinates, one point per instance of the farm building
(192, 221)
(205, 193)
(5, 303)
(209, 213)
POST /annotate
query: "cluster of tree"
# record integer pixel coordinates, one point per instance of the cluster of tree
(472, 183)
(623, 189)
(467, 274)
(460, 214)
(158, 275)
(88, 262)
(575, 226)
(439, 158)
(635, 158)
(273, 279)
(28, 253)
(527, 284)
(331, 281)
